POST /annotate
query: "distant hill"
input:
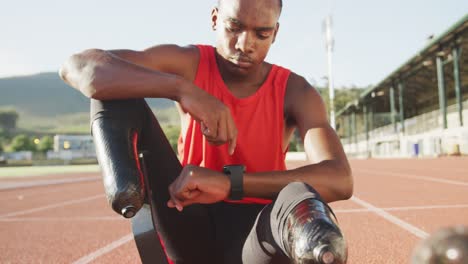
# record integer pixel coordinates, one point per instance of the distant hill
(46, 94)
(46, 104)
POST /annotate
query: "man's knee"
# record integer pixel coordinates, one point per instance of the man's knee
(297, 191)
(300, 215)
(298, 187)
(123, 109)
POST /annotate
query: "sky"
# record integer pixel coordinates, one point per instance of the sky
(372, 37)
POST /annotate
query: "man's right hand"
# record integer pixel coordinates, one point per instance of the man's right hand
(216, 121)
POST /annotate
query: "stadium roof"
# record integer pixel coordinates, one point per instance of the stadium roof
(443, 41)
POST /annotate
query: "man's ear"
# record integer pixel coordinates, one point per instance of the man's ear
(214, 18)
(276, 32)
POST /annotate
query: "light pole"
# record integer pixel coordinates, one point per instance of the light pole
(329, 44)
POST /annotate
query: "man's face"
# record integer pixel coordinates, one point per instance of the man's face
(245, 31)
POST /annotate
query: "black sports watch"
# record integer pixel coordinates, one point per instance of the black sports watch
(236, 175)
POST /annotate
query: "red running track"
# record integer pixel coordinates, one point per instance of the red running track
(396, 203)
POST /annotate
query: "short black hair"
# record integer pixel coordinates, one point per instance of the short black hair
(280, 2)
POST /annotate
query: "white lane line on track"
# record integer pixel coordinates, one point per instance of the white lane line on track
(389, 217)
(94, 255)
(442, 170)
(419, 170)
(9, 185)
(403, 208)
(410, 176)
(65, 219)
(119, 218)
(42, 208)
(27, 193)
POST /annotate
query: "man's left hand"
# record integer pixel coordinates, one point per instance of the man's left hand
(198, 185)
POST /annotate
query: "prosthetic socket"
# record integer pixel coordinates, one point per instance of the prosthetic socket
(115, 133)
(311, 234)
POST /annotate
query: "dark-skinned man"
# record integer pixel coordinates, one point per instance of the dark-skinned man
(237, 110)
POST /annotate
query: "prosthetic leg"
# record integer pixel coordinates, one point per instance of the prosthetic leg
(138, 165)
(311, 234)
(297, 228)
(115, 132)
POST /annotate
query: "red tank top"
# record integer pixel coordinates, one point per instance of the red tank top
(259, 119)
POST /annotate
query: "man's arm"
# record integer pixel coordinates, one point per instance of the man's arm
(164, 71)
(122, 74)
(329, 171)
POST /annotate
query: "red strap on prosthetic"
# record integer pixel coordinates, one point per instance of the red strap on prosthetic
(137, 159)
(142, 181)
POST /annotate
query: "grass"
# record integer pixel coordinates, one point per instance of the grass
(78, 123)
(45, 170)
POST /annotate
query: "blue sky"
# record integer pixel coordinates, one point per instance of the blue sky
(372, 37)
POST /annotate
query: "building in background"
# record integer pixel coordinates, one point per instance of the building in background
(420, 109)
(68, 147)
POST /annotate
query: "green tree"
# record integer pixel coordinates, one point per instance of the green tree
(45, 144)
(342, 96)
(172, 134)
(292, 145)
(3, 143)
(8, 119)
(22, 142)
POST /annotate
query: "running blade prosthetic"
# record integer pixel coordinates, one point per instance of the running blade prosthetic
(312, 236)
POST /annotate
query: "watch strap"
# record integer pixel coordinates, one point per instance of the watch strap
(236, 176)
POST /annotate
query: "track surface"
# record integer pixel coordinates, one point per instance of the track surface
(66, 219)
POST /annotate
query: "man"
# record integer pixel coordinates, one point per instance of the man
(235, 109)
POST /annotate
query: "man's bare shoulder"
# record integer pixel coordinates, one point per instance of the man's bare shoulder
(298, 87)
(303, 103)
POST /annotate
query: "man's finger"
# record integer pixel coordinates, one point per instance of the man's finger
(170, 204)
(208, 129)
(190, 197)
(232, 146)
(204, 128)
(232, 136)
(178, 204)
(222, 130)
(173, 204)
